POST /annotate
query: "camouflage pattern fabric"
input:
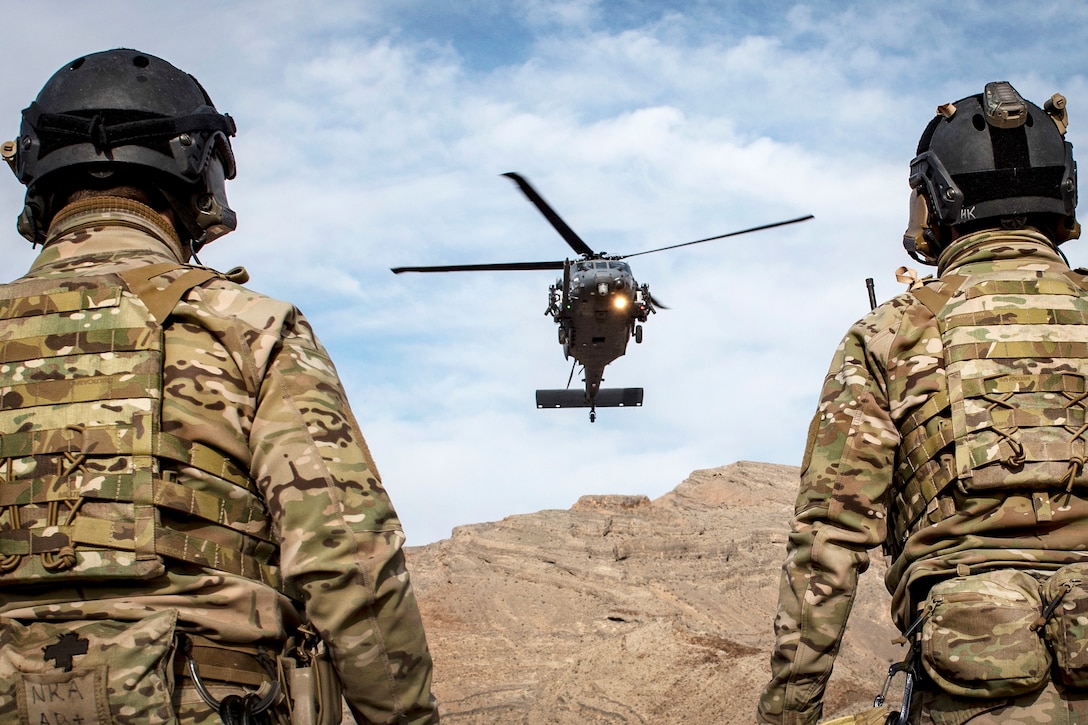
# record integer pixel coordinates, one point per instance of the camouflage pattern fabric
(75, 672)
(888, 366)
(244, 374)
(872, 716)
(980, 637)
(1054, 704)
(1067, 626)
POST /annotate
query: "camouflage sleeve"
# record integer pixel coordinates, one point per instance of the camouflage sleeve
(840, 515)
(341, 544)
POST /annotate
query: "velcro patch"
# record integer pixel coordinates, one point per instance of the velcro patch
(63, 698)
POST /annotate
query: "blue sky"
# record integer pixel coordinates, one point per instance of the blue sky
(374, 135)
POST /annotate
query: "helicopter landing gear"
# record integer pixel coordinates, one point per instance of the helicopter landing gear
(593, 415)
(638, 334)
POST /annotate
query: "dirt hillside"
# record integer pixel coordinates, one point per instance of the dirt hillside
(627, 610)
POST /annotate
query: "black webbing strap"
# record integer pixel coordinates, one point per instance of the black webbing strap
(108, 135)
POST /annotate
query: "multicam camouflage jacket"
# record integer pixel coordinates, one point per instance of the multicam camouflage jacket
(931, 440)
(244, 375)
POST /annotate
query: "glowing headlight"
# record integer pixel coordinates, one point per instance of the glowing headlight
(619, 302)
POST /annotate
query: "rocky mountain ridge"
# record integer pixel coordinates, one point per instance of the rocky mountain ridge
(627, 610)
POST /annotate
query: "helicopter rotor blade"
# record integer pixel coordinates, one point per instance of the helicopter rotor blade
(721, 236)
(502, 267)
(554, 219)
(657, 303)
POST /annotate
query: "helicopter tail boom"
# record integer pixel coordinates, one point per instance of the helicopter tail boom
(606, 398)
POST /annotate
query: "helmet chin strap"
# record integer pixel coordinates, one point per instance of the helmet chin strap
(193, 246)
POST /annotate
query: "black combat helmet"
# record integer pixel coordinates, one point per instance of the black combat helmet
(126, 114)
(992, 157)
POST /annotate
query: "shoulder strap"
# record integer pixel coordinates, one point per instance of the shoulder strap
(1078, 277)
(161, 300)
(936, 300)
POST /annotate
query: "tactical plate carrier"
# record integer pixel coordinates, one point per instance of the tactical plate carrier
(1012, 414)
(89, 485)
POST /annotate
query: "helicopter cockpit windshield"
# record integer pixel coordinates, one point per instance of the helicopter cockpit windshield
(589, 265)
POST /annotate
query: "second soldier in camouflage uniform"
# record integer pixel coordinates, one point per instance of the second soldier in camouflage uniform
(182, 482)
(953, 431)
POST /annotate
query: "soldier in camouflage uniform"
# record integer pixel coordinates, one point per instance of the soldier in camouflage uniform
(952, 431)
(183, 486)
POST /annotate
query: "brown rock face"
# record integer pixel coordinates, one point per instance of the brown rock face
(626, 610)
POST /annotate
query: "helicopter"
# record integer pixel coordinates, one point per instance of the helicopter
(596, 303)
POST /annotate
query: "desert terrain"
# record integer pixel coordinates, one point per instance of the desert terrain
(623, 609)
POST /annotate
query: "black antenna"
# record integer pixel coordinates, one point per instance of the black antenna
(872, 292)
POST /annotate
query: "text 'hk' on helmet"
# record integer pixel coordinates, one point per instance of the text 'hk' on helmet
(992, 157)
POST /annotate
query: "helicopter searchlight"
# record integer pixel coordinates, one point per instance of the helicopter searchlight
(597, 305)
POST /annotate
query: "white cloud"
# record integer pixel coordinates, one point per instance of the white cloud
(373, 134)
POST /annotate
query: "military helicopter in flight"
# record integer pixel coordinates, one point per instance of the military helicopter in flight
(597, 305)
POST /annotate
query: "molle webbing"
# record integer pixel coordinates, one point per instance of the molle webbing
(88, 481)
(1012, 414)
(921, 468)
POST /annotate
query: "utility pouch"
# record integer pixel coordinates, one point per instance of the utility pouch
(1066, 595)
(312, 684)
(979, 640)
(88, 672)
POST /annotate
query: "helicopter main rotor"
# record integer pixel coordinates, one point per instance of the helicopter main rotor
(597, 304)
(554, 219)
(502, 267)
(572, 239)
